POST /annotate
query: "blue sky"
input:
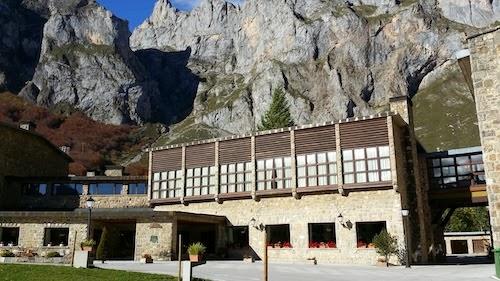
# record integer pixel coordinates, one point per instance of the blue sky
(136, 11)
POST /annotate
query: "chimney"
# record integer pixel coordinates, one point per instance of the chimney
(113, 171)
(28, 126)
(403, 106)
(90, 173)
(65, 148)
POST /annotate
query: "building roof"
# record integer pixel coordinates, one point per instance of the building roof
(40, 137)
(268, 132)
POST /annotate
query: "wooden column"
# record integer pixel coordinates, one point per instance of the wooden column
(340, 176)
(183, 177)
(150, 173)
(294, 165)
(217, 172)
(254, 169)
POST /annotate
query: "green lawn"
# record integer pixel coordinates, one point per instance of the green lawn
(63, 273)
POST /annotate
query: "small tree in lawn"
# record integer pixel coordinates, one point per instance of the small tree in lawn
(278, 114)
(102, 248)
(386, 244)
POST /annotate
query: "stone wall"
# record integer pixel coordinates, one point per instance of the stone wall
(153, 237)
(365, 206)
(485, 64)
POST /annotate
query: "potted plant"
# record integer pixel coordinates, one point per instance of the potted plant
(248, 258)
(196, 251)
(87, 245)
(146, 258)
(5, 254)
(386, 244)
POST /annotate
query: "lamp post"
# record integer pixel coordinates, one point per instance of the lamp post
(90, 205)
(253, 223)
(406, 213)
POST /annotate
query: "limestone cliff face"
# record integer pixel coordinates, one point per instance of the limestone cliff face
(334, 59)
(86, 63)
(217, 66)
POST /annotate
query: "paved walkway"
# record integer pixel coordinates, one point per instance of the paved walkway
(240, 271)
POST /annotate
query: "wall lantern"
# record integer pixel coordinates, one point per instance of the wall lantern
(346, 224)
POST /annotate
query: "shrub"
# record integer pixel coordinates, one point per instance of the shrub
(386, 244)
(88, 243)
(196, 249)
(147, 256)
(6, 254)
(102, 251)
(53, 255)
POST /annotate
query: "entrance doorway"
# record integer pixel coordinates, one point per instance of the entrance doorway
(205, 233)
(116, 240)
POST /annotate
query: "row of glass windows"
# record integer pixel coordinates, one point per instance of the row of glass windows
(315, 169)
(321, 235)
(457, 171)
(9, 236)
(41, 189)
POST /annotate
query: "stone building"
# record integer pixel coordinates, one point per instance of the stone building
(317, 192)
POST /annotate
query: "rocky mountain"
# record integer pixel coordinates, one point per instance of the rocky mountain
(213, 70)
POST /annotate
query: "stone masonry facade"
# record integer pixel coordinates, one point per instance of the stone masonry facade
(364, 206)
(485, 64)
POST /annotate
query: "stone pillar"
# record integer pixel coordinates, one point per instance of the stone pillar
(254, 168)
(485, 65)
(294, 164)
(470, 246)
(448, 247)
(340, 175)
(402, 105)
(392, 153)
(183, 177)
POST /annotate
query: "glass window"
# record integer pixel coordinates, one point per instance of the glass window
(275, 174)
(201, 181)
(236, 179)
(56, 237)
(137, 188)
(67, 189)
(278, 236)
(366, 231)
(319, 170)
(105, 188)
(322, 235)
(9, 236)
(169, 185)
(35, 189)
(367, 165)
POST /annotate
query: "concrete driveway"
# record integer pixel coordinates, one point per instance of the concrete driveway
(240, 271)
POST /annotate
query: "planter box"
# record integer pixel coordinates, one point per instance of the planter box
(195, 258)
(7, 259)
(145, 260)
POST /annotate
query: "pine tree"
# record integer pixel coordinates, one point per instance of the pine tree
(278, 114)
(102, 248)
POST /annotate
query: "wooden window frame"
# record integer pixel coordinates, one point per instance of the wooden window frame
(210, 185)
(247, 178)
(438, 181)
(177, 190)
(306, 166)
(274, 180)
(366, 172)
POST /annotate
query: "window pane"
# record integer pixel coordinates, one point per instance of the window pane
(260, 165)
(447, 162)
(189, 172)
(156, 185)
(164, 185)
(301, 182)
(232, 168)
(164, 175)
(197, 182)
(156, 176)
(261, 185)
(232, 178)
(278, 162)
(223, 169)
(332, 157)
(373, 176)
(372, 165)
(288, 161)
(204, 181)
(385, 164)
(311, 171)
(269, 163)
(322, 181)
(347, 155)
(171, 174)
(360, 177)
(349, 178)
(359, 153)
(322, 170)
(437, 172)
(332, 169)
(204, 171)
(301, 172)
(348, 167)
(322, 158)
(360, 165)
(383, 151)
(301, 160)
(313, 181)
(248, 166)
(261, 176)
(333, 179)
(288, 173)
(386, 176)
(240, 167)
(311, 159)
(371, 152)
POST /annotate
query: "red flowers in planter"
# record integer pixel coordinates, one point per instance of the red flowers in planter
(280, 245)
(329, 244)
(363, 244)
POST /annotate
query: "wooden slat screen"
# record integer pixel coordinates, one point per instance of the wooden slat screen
(235, 151)
(364, 133)
(202, 155)
(167, 160)
(320, 139)
(273, 145)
